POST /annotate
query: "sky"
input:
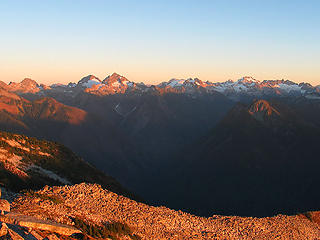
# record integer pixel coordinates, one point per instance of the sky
(154, 41)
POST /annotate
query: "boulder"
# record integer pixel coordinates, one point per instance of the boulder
(4, 206)
(3, 229)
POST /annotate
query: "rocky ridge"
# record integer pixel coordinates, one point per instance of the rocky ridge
(30, 163)
(262, 110)
(95, 205)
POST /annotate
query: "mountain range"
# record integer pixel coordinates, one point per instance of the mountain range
(244, 147)
(117, 84)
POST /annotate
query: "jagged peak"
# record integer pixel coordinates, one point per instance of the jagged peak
(25, 82)
(114, 77)
(28, 80)
(193, 80)
(174, 82)
(248, 79)
(89, 81)
(262, 109)
(305, 85)
(88, 78)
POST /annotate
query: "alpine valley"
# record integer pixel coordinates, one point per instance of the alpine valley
(244, 147)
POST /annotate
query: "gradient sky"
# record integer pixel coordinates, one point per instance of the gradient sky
(153, 41)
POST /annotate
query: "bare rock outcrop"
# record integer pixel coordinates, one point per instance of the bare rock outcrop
(17, 232)
(95, 205)
(4, 206)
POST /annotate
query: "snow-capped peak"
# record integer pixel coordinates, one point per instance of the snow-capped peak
(190, 82)
(89, 81)
(195, 81)
(115, 77)
(252, 87)
(116, 80)
(248, 79)
(175, 82)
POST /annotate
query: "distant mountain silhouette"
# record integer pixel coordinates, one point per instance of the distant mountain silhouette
(259, 160)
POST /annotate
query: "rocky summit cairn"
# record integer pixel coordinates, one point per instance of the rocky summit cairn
(4, 205)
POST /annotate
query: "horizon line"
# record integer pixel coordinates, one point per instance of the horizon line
(40, 83)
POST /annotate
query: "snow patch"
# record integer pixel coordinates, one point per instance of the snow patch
(240, 88)
(130, 84)
(90, 83)
(175, 82)
(250, 80)
(116, 108)
(116, 84)
(288, 88)
(220, 88)
(57, 85)
(49, 174)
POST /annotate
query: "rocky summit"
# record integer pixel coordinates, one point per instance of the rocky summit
(91, 205)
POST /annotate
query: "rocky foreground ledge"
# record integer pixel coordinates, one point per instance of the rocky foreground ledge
(17, 226)
(91, 205)
(29, 222)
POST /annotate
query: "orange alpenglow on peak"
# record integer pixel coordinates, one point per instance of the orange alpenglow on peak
(114, 77)
(262, 111)
(262, 106)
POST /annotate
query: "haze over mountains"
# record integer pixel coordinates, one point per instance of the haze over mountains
(245, 147)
